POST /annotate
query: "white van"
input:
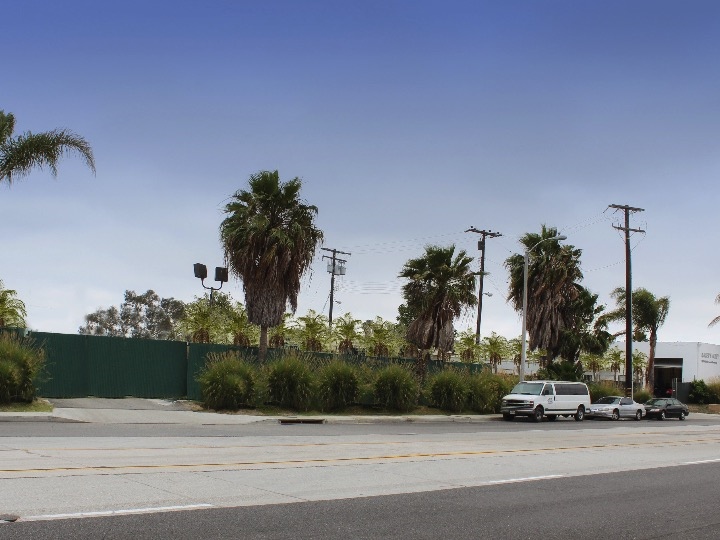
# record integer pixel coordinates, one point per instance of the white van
(546, 398)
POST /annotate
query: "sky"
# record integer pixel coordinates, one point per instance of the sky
(408, 122)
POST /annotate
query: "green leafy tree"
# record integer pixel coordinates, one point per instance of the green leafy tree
(12, 309)
(648, 315)
(269, 238)
(144, 316)
(22, 153)
(495, 347)
(440, 286)
(553, 288)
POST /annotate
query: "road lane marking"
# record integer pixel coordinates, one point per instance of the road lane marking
(700, 462)
(107, 469)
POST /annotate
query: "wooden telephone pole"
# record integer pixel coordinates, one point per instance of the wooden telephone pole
(628, 294)
(481, 247)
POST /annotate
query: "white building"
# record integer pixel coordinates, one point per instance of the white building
(685, 361)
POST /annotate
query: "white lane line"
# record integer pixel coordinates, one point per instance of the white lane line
(526, 479)
(124, 511)
(699, 462)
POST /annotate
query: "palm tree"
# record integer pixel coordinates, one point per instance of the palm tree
(345, 330)
(12, 309)
(312, 331)
(441, 285)
(243, 332)
(201, 322)
(648, 315)
(615, 360)
(20, 154)
(380, 337)
(279, 333)
(716, 319)
(553, 287)
(639, 365)
(594, 363)
(466, 346)
(495, 348)
(269, 239)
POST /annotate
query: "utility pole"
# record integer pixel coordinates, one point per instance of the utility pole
(481, 247)
(334, 270)
(628, 294)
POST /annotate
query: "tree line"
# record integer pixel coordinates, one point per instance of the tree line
(269, 238)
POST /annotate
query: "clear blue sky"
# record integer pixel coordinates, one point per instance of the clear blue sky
(408, 121)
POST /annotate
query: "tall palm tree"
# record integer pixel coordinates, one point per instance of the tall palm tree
(269, 239)
(716, 319)
(648, 315)
(553, 287)
(22, 153)
(441, 285)
(12, 309)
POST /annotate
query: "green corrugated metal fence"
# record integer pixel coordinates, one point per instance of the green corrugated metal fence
(113, 367)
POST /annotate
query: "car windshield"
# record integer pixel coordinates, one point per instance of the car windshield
(607, 400)
(655, 402)
(530, 388)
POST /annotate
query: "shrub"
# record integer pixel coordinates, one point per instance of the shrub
(699, 393)
(227, 382)
(642, 395)
(486, 390)
(603, 389)
(396, 388)
(21, 363)
(337, 386)
(714, 389)
(290, 383)
(448, 391)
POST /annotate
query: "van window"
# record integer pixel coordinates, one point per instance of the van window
(569, 389)
(547, 391)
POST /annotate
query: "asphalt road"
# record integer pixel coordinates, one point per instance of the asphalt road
(673, 503)
(493, 479)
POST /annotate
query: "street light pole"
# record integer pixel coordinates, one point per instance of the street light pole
(526, 263)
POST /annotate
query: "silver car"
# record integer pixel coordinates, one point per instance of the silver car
(616, 407)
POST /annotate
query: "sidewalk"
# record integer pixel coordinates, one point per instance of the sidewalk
(155, 411)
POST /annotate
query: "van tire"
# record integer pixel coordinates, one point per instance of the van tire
(580, 414)
(538, 414)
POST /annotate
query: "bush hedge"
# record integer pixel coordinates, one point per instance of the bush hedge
(290, 383)
(337, 386)
(227, 382)
(396, 388)
(448, 391)
(21, 363)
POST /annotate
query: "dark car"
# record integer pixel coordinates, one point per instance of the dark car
(662, 408)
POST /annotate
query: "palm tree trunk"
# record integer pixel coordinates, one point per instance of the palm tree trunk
(262, 351)
(651, 361)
